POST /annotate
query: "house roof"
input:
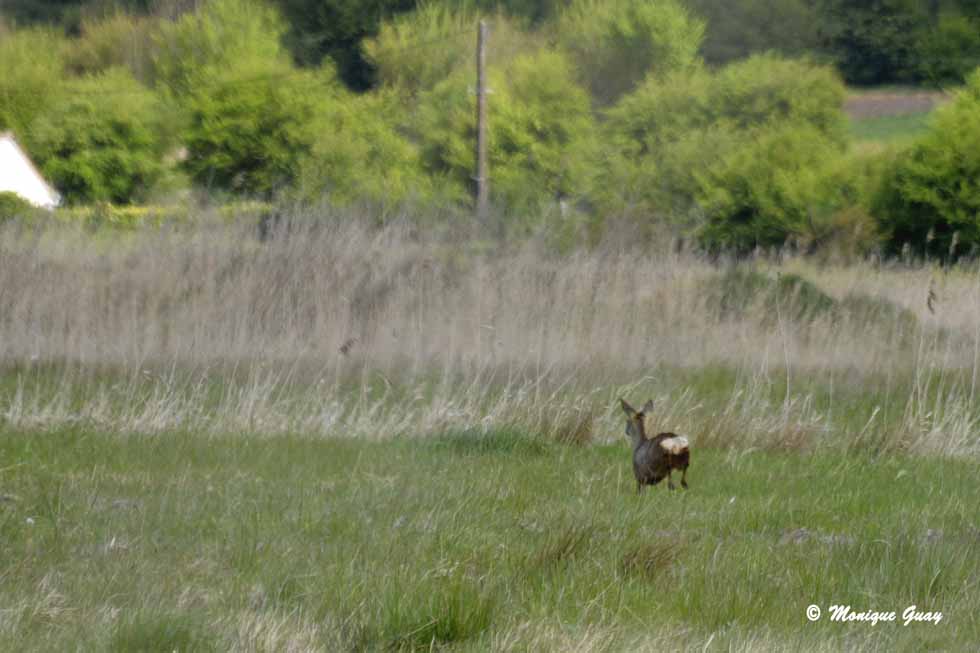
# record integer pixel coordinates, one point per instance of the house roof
(19, 175)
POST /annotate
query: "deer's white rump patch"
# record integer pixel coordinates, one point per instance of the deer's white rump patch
(675, 445)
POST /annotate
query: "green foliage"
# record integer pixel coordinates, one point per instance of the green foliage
(533, 12)
(767, 88)
(14, 206)
(415, 51)
(542, 138)
(103, 141)
(118, 41)
(541, 133)
(336, 28)
(249, 126)
(614, 44)
(358, 154)
(248, 116)
(740, 289)
(929, 198)
(220, 36)
(51, 12)
(402, 62)
(949, 51)
(873, 42)
(739, 28)
(740, 151)
(29, 82)
(767, 189)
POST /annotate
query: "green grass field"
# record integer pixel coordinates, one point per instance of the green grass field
(889, 129)
(463, 541)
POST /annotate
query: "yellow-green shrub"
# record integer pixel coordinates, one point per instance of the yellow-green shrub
(31, 68)
(415, 51)
(358, 153)
(118, 41)
(103, 140)
(732, 153)
(929, 197)
(540, 140)
(615, 44)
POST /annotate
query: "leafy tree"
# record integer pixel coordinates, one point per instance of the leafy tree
(249, 127)
(929, 197)
(414, 51)
(697, 150)
(29, 83)
(219, 36)
(102, 141)
(766, 88)
(615, 44)
(874, 41)
(34, 12)
(541, 133)
(120, 40)
(358, 154)
(948, 52)
(534, 12)
(247, 115)
(14, 206)
(769, 189)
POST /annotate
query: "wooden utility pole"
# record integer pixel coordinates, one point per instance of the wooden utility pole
(482, 174)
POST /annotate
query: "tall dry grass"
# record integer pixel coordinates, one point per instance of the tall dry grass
(333, 326)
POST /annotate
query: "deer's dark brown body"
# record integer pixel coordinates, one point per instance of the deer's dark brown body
(654, 458)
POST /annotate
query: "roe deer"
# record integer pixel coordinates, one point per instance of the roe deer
(654, 458)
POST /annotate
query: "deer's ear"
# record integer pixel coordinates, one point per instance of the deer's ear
(648, 407)
(629, 410)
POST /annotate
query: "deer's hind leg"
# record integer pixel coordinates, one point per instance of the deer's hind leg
(684, 478)
(670, 481)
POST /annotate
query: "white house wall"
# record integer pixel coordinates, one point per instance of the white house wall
(18, 175)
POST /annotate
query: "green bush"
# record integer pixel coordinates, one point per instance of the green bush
(221, 35)
(615, 44)
(14, 206)
(415, 51)
(540, 135)
(103, 141)
(929, 198)
(248, 127)
(874, 42)
(31, 67)
(403, 66)
(118, 41)
(767, 190)
(947, 53)
(740, 289)
(358, 154)
(248, 117)
(741, 155)
(532, 12)
(767, 88)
